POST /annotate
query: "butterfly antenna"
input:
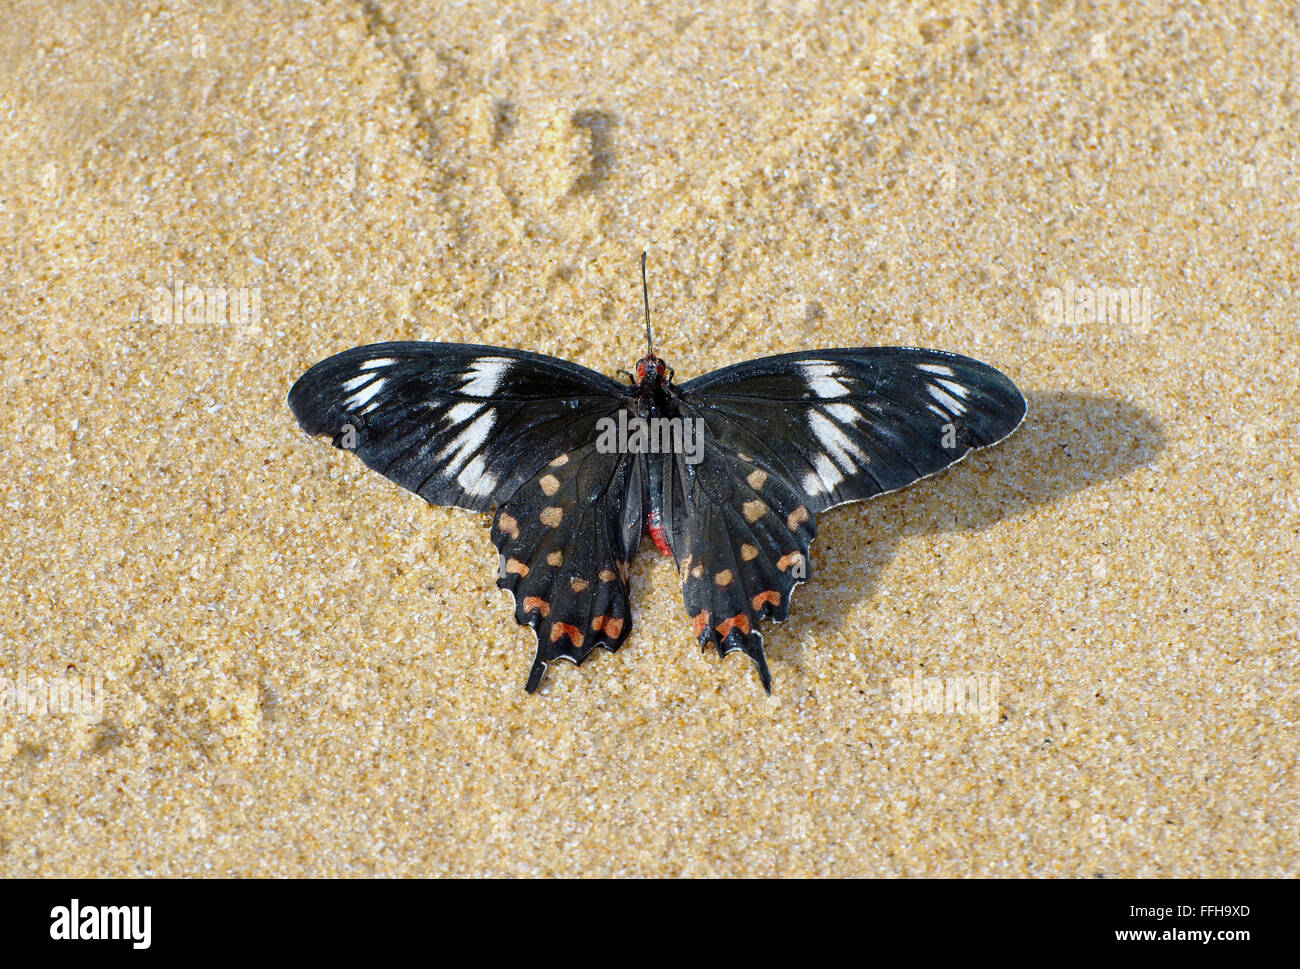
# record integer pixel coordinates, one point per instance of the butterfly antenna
(645, 293)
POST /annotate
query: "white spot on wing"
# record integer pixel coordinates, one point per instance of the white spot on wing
(475, 479)
(364, 395)
(377, 362)
(484, 376)
(838, 444)
(943, 414)
(821, 379)
(355, 382)
(843, 412)
(936, 368)
(462, 412)
(468, 442)
(959, 389)
(945, 399)
(828, 475)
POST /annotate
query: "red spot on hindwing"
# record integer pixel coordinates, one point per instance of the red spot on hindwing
(534, 604)
(700, 622)
(564, 629)
(763, 597)
(740, 622)
(611, 626)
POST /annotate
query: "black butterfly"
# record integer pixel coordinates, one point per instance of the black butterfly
(725, 472)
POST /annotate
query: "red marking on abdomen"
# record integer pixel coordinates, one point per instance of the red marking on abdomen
(654, 526)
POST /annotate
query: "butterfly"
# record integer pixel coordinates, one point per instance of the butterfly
(726, 472)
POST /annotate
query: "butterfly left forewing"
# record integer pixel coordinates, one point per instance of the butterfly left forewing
(457, 424)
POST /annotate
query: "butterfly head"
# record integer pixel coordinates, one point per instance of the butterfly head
(650, 369)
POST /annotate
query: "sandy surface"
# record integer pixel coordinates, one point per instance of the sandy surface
(269, 660)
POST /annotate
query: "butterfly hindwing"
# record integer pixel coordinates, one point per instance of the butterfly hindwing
(457, 424)
(740, 535)
(566, 539)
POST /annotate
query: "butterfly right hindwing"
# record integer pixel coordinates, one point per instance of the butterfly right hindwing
(740, 535)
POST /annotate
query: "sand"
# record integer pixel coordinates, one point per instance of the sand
(267, 660)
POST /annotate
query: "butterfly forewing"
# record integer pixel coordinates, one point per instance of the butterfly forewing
(457, 424)
(849, 424)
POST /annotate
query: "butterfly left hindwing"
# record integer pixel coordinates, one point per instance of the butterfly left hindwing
(566, 539)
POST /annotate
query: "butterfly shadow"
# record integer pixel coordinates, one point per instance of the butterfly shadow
(1069, 442)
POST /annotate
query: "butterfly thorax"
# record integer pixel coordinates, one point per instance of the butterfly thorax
(653, 378)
